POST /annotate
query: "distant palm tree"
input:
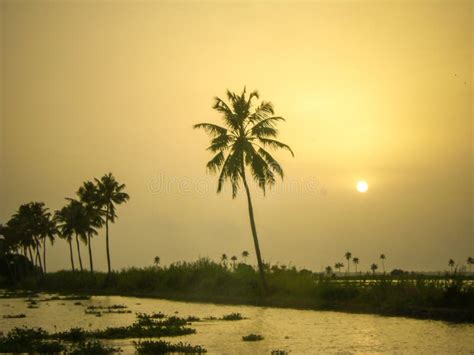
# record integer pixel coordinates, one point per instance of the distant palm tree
(234, 260)
(328, 270)
(245, 255)
(348, 257)
(247, 131)
(338, 266)
(382, 258)
(48, 231)
(224, 260)
(451, 264)
(110, 193)
(355, 260)
(156, 261)
(374, 267)
(470, 261)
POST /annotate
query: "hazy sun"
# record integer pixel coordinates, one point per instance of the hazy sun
(362, 186)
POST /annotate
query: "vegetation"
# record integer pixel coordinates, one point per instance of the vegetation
(164, 347)
(24, 237)
(448, 296)
(252, 337)
(94, 348)
(248, 131)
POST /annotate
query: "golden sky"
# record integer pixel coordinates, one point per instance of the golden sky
(373, 90)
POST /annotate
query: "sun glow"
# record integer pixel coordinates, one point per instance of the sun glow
(362, 186)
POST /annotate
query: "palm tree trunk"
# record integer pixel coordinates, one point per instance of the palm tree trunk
(72, 257)
(44, 254)
(254, 233)
(107, 239)
(38, 257)
(79, 253)
(31, 256)
(91, 263)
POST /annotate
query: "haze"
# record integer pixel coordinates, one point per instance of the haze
(375, 91)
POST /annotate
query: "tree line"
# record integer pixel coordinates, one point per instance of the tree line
(33, 225)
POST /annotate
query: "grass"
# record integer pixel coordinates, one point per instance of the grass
(252, 337)
(447, 297)
(164, 347)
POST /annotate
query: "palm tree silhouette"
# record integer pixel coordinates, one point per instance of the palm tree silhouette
(382, 258)
(48, 230)
(110, 193)
(64, 220)
(156, 261)
(245, 255)
(224, 260)
(89, 197)
(328, 270)
(451, 264)
(338, 266)
(470, 261)
(348, 257)
(234, 260)
(374, 267)
(248, 130)
(355, 260)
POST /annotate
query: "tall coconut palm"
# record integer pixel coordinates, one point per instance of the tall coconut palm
(224, 260)
(89, 196)
(451, 264)
(66, 228)
(234, 260)
(241, 143)
(374, 268)
(110, 193)
(245, 255)
(382, 258)
(355, 260)
(328, 270)
(348, 257)
(48, 231)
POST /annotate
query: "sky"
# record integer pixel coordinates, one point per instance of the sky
(379, 91)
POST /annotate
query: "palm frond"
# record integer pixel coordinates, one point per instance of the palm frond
(275, 144)
(210, 128)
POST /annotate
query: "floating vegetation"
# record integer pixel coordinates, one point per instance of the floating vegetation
(279, 352)
(77, 303)
(19, 294)
(115, 306)
(117, 311)
(11, 316)
(232, 316)
(252, 337)
(67, 298)
(164, 347)
(193, 319)
(29, 340)
(95, 313)
(94, 347)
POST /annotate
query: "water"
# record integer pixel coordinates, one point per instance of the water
(296, 331)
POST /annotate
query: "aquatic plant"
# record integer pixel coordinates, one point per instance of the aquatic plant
(94, 348)
(252, 337)
(164, 347)
(28, 340)
(11, 316)
(232, 316)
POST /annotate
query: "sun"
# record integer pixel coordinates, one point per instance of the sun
(362, 186)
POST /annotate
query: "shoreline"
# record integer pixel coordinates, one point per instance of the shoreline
(451, 315)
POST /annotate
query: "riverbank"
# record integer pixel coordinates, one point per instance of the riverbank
(450, 299)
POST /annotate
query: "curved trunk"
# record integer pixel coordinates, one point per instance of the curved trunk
(107, 239)
(79, 253)
(254, 233)
(72, 257)
(44, 254)
(38, 257)
(91, 263)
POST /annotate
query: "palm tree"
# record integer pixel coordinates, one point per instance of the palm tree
(382, 258)
(355, 260)
(470, 261)
(92, 214)
(234, 260)
(328, 270)
(48, 230)
(348, 257)
(224, 260)
(241, 143)
(110, 193)
(66, 228)
(156, 261)
(451, 264)
(374, 267)
(338, 266)
(245, 255)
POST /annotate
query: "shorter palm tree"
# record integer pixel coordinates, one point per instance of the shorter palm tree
(328, 270)
(356, 262)
(245, 255)
(470, 261)
(224, 260)
(156, 261)
(348, 257)
(451, 264)
(382, 258)
(338, 266)
(374, 268)
(234, 260)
